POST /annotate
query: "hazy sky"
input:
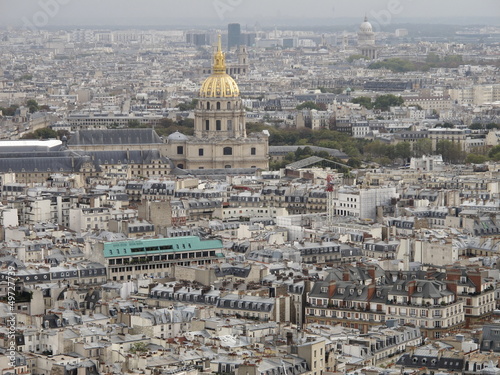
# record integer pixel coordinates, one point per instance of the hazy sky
(56, 12)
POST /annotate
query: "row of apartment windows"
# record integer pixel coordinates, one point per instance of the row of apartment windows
(157, 258)
(225, 151)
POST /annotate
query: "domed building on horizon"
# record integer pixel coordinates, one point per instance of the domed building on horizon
(220, 139)
(366, 40)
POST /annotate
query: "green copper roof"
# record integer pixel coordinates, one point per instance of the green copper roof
(159, 246)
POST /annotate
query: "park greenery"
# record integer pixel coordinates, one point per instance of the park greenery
(357, 57)
(331, 90)
(359, 151)
(31, 104)
(166, 126)
(381, 102)
(9, 111)
(188, 106)
(433, 60)
(311, 105)
(45, 133)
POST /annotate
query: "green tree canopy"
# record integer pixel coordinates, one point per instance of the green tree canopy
(9, 111)
(308, 105)
(351, 58)
(422, 147)
(494, 153)
(364, 101)
(476, 126)
(476, 159)
(188, 106)
(451, 151)
(32, 105)
(43, 133)
(383, 102)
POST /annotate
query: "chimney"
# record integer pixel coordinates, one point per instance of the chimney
(475, 277)
(332, 286)
(412, 285)
(346, 276)
(452, 286)
(453, 274)
(371, 292)
(371, 273)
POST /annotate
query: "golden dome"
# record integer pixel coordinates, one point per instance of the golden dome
(219, 84)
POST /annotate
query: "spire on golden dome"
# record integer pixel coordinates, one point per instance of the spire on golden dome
(219, 84)
(219, 59)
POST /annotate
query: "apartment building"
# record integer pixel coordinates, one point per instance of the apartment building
(126, 260)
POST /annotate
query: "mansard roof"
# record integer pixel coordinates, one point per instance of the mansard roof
(114, 137)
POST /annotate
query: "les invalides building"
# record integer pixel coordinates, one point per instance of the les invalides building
(220, 139)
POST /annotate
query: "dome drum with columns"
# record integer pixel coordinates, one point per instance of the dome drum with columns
(220, 139)
(366, 40)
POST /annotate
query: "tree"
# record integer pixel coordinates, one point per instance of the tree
(32, 105)
(138, 347)
(476, 159)
(354, 163)
(9, 111)
(492, 126)
(188, 106)
(476, 126)
(356, 57)
(402, 150)
(363, 101)
(308, 105)
(422, 147)
(378, 149)
(43, 133)
(134, 123)
(432, 58)
(451, 151)
(494, 153)
(384, 102)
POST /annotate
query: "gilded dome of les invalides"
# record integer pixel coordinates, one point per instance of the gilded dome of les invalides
(219, 84)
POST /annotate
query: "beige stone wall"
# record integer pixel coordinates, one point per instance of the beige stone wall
(213, 153)
(203, 276)
(158, 213)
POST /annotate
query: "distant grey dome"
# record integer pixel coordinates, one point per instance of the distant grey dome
(177, 136)
(366, 27)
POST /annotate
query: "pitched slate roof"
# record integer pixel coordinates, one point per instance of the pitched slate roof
(40, 162)
(114, 137)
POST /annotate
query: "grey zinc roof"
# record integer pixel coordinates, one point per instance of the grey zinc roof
(114, 137)
(63, 163)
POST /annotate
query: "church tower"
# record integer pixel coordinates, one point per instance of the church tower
(220, 112)
(220, 139)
